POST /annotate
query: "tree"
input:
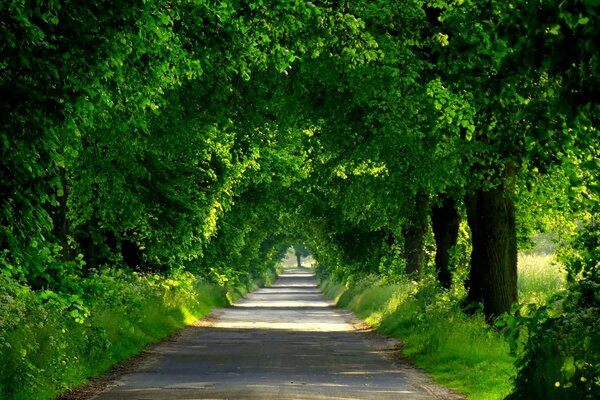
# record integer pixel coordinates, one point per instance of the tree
(300, 251)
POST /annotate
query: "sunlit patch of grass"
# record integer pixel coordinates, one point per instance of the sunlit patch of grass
(333, 289)
(370, 304)
(457, 350)
(43, 351)
(540, 276)
(461, 352)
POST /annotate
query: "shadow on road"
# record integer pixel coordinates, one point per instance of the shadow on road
(281, 342)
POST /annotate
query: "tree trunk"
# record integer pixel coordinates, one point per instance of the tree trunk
(414, 236)
(299, 259)
(445, 221)
(493, 279)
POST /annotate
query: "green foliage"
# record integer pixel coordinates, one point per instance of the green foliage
(556, 343)
(51, 342)
(126, 130)
(457, 350)
(301, 250)
(556, 346)
(582, 256)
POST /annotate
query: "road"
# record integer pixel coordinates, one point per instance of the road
(282, 342)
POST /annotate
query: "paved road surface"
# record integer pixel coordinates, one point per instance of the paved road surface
(281, 342)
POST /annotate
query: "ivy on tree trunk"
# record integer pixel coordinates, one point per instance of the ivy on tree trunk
(445, 221)
(414, 236)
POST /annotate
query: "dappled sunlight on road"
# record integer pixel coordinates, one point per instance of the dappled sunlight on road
(293, 303)
(289, 326)
(281, 342)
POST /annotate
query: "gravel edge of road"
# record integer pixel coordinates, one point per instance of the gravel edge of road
(96, 385)
(391, 348)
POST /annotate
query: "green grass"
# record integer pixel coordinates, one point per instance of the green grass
(457, 350)
(44, 351)
(539, 276)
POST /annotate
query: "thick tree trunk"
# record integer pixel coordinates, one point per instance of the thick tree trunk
(299, 259)
(414, 236)
(493, 279)
(445, 221)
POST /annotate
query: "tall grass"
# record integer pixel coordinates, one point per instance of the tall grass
(540, 274)
(458, 350)
(48, 345)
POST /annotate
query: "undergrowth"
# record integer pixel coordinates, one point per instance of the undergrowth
(50, 343)
(458, 350)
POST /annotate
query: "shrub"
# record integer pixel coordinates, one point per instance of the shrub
(52, 341)
(557, 343)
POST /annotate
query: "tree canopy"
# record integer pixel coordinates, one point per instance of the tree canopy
(176, 134)
(209, 136)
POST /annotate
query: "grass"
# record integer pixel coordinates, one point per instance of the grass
(540, 275)
(44, 351)
(457, 350)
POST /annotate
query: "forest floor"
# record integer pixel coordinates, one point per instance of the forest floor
(281, 342)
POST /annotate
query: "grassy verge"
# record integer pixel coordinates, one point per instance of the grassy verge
(457, 350)
(49, 343)
(250, 283)
(540, 275)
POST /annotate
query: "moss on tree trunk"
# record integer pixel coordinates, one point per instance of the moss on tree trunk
(414, 236)
(445, 221)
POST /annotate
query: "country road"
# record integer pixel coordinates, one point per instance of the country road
(282, 342)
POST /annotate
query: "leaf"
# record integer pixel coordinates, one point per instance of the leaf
(554, 30)
(583, 20)
(165, 19)
(568, 367)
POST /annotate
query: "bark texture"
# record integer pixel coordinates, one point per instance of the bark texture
(493, 279)
(414, 236)
(445, 221)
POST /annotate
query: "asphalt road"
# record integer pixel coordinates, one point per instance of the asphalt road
(282, 342)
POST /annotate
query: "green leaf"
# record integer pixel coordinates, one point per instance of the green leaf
(568, 368)
(555, 29)
(583, 20)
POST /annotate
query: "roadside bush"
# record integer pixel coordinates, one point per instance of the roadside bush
(557, 343)
(458, 350)
(558, 347)
(52, 341)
